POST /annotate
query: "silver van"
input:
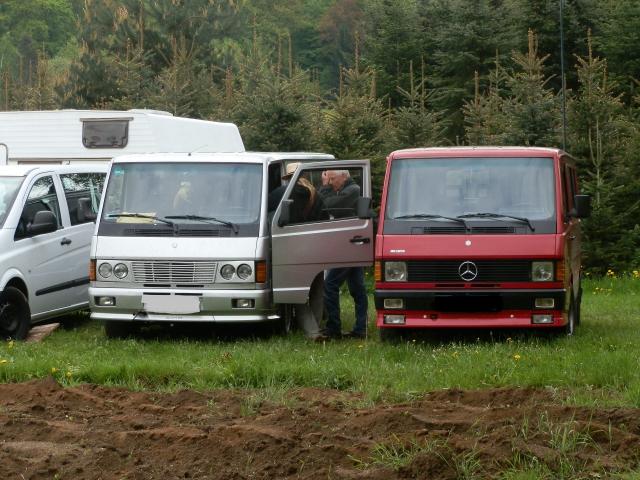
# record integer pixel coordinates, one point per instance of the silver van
(191, 238)
(47, 215)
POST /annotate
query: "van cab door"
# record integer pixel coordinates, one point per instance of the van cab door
(320, 225)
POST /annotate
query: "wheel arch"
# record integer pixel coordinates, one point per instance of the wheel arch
(13, 278)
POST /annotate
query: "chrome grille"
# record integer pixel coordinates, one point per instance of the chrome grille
(180, 273)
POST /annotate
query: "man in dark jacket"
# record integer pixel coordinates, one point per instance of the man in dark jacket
(340, 194)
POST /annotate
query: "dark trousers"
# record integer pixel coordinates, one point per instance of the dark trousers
(332, 282)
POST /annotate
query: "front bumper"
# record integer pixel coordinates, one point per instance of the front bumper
(214, 305)
(465, 309)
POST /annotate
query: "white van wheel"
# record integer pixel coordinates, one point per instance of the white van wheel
(114, 329)
(15, 316)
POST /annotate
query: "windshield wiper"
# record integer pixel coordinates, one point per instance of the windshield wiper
(142, 215)
(497, 215)
(432, 216)
(231, 225)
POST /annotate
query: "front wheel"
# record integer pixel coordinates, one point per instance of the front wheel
(390, 335)
(115, 329)
(570, 327)
(15, 316)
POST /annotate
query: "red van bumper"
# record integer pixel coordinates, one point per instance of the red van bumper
(456, 309)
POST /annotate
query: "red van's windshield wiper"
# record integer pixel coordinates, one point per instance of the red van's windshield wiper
(432, 216)
(497, 215)
(231, 225)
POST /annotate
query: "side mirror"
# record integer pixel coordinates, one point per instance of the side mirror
(43, 222)
(363, 208)
(85, 213)
(583, 206)
(285, 213)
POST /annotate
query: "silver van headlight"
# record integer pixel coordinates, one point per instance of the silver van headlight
(105, 270)
(120, 270)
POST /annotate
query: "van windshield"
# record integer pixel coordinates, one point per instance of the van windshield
(185, 199)
(481, 195)
(9, 187)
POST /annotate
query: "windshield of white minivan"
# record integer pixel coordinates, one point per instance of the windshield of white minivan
(472, 195)
(9, 187)
(185, 199)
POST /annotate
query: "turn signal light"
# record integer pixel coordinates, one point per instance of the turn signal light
(560, 271)
(261, 271)
(92, 270)
(377, 271)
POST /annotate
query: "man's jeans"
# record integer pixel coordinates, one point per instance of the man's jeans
(355, 280)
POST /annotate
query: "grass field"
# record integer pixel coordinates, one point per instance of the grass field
(600, 365)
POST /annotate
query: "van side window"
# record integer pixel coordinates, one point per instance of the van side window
(567, 189)
(321, 195)
(83, 192)
(42, 197)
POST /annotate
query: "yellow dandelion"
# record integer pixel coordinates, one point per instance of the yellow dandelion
(68, 374)
(11, 344)
(516, 357)
(54, 369)
(361, 346)
(3, 361)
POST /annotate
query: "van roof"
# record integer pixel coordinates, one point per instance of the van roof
(57, 134)
(243, 157)
(509, 151)
(24, 170)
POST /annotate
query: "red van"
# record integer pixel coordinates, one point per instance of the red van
(479, 237)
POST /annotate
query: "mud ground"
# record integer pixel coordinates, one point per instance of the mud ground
(51, 432)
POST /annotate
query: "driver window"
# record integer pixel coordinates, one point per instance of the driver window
(42, 197)
(321, 195)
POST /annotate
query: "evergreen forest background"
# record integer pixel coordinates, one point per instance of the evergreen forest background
(359, 78)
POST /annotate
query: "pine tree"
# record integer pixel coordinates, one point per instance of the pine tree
(599, 137)
(533, 109)
(416, 123)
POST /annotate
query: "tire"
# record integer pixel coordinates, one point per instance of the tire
(578, 306)
(15, 315)
(390, 335)
(570, 327)
(284, 325)
(114, 329)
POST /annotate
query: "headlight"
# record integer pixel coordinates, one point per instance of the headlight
(395, 271)
(105, 270)
(227, 271)
(244, 271)
(542, 271)
(120, 270)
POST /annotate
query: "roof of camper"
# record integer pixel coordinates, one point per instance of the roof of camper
(57, 134)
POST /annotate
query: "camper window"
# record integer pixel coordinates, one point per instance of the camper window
(105, 133)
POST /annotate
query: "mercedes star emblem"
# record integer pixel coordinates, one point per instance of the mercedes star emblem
(468, 271)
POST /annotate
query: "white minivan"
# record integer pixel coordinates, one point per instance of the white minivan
(47, 218)
(219, 238)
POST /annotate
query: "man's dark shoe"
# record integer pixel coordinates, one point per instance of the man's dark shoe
(331, 335)
(356, 335)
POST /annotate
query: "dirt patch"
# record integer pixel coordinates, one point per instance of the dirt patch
(93, 432)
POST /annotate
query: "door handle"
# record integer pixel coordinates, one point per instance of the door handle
(65, 241)
(360, 240)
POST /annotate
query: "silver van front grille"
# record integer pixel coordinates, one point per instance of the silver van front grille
(180, 273)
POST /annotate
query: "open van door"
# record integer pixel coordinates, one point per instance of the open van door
(303, 246)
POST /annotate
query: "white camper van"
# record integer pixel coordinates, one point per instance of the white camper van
(88, 136)
(196, 238)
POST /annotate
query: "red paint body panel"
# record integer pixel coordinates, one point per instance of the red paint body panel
(561, 246)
